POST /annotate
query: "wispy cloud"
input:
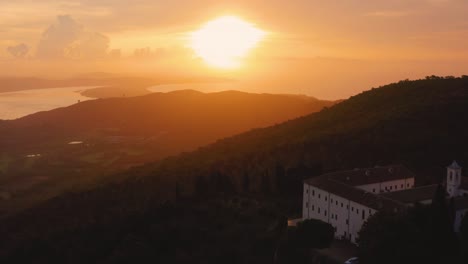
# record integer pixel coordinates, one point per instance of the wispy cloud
(68, 39)
(18, 51)
(389, 14)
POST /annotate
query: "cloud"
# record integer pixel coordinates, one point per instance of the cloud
(173, 53)
(389, 14)
(115, 53)
(143, 53)
(90, 45)
(68, 39)
(18, 51)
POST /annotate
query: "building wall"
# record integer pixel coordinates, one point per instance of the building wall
(305, 202)
(458, 219)
(453, 181)
(345, 216)
(318, 204)
(358, 214)
(388, 186)
(339, 215)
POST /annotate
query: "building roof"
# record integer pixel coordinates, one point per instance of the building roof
(454, 166)
(413, 195)
(354, 194)
(365, 176)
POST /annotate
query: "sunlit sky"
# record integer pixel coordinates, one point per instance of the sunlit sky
(328, 49)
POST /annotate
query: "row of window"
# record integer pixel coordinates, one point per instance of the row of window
(318, 210)
(390, 188)
(387, 188)
(335, 216)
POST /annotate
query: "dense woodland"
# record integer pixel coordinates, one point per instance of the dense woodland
(227, 202)
(422, 234)
(118, 133)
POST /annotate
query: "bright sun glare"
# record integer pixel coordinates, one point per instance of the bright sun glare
(223, 42)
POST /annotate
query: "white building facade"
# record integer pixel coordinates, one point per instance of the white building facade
(347, 199)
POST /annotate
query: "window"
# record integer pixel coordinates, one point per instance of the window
(336, 217)
(352, 209)
(341, 205)
(347, 222)
(363, 214)
(307, 190)
(313, 192)
(331, 199)
(326, 198)
(313, 208)
(373, 190)
(347, 206)
(336, 202)
(318, 210)
(319, 195)
(402, 186)
(325, 212)
(357, 211)
(407, 185)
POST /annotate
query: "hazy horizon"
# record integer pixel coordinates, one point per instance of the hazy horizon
(329, 50)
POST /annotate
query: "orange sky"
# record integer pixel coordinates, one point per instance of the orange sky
(328, 49)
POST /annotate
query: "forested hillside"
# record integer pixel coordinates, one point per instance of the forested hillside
(43, 154)
(418, 123)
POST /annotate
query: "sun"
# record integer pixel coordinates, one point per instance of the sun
(225, 41)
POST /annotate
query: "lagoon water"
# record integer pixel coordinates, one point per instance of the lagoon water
(21, 103)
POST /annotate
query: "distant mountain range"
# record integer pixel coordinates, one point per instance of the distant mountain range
(110, 85)
(47, 152)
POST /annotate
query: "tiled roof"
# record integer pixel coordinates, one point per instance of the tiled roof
(365, 176)
(354, 194)
(454, 165)
(413, 195)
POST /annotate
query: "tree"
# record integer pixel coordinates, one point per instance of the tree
(280, 176)
(177, 191)
(201, 186)
(307, 235)
(464, 238)
(314, 233)
(246, 183)
(265, 184)
(417, 235)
